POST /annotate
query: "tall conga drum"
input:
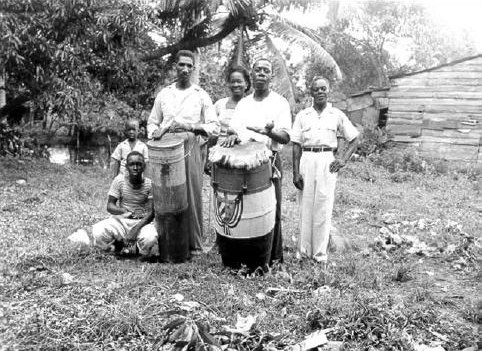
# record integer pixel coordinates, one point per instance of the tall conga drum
(167, 171)
(244, 204)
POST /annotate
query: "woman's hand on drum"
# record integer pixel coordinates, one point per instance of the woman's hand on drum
(230, 141)
(298, 181)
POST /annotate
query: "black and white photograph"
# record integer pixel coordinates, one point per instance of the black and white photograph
(240, 175)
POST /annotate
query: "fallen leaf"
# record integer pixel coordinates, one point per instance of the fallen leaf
(260, 296)
(177, 297)
(311, 341)
(67, 278)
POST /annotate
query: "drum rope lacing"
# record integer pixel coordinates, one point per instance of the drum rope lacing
(229, 215)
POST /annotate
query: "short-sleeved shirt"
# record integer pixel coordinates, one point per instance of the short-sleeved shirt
(134, 200)
(124, 148)
(191, 105)
(224, 113)
(314, 129)
(257, 113)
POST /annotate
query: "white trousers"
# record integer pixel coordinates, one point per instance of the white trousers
(112, 229)
(316, 204)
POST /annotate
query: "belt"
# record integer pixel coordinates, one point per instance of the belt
(319, 149)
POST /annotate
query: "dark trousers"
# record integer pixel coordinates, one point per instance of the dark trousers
(277, 248)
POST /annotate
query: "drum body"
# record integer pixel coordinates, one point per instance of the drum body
(244, 208)
(167, 170)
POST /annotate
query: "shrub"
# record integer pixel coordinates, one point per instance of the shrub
(14, 143)
(373, 141)
(398, 159)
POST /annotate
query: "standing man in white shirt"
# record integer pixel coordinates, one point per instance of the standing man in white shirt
(184, 106)
(264, 116)
(314, 137)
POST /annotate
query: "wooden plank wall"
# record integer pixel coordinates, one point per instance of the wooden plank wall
(440, 111)
(363, 109)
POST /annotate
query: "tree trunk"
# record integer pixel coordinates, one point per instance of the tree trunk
(3, 99)
(333, 8)
(240, 48)
(197, 67)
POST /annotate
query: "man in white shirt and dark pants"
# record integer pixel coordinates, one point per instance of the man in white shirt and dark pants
(314, 137)
(264, 116)
(186, 107)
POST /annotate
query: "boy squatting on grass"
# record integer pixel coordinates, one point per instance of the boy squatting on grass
(131, 143)
(131, 207)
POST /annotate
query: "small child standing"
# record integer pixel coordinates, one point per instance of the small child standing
(124, 148)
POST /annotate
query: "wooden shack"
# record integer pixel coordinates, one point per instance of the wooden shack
(439, 110)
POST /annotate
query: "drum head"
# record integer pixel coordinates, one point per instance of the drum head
(246, 156)
(168, 141)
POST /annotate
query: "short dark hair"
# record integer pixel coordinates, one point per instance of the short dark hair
(131, 120)
(263, 59)
(243, 71)
(135, 153)
(185, 53)
(317, 78)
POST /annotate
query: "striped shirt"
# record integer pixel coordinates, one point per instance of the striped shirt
(134, 200)
(124, 148)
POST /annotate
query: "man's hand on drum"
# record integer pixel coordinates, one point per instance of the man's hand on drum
(158, 133)
(265, 131)
(230, 141)
(180, 127)
(298, 181)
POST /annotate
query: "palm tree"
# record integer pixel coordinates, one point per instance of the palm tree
(254, 22)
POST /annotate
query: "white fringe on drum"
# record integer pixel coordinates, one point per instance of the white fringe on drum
(248, 155)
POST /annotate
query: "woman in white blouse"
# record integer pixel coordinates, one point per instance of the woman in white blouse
(239, 83)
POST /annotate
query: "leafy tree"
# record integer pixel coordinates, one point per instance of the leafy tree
(192, 24)
(67, 57)
(365, 37)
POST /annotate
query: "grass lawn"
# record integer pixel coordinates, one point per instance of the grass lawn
(373, 297)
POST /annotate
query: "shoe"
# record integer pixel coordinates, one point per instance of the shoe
(322, 261)
(321, 258)
(130, 250)
(197, 252)
(118, 246)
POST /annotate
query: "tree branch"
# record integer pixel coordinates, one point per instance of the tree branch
(229, 26)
